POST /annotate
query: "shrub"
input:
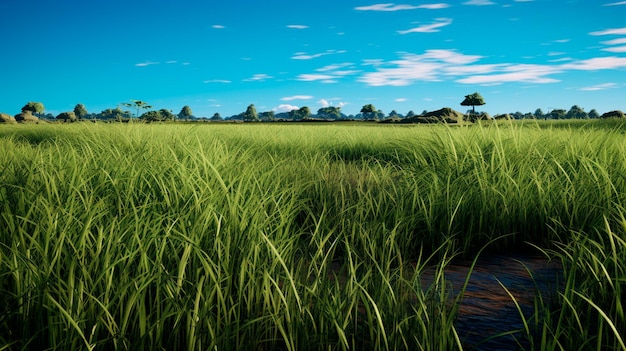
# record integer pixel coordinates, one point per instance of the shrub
(613, 114)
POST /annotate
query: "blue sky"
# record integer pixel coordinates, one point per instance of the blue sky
(221, 56)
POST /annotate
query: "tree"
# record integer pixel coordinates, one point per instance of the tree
(473, 100)
(138, 104)
(185, 112)
(557, 113)
(80, 111)
(330, 112)
(167, 115)
(216, 117)
(369, 111)
(410, 114)
(67, 116)
(250, 114)
(304, 112)
(613, 114)
(267, 116)
(593, 113)
(576, 112)
(394, 114)
(539, 114)
(34, 107)
(115, 114)
(152, 116)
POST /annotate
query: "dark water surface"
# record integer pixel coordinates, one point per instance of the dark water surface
(487, 309)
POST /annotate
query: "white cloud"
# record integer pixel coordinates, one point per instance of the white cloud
(429, 28)
(297, 97)
(615, 49)
(612, 31)
(297, 26)
(434, 6)
(306, 56)
(598, 63)
(258, 78)
(390, 7)
(147, 63)
(616, 3)
(430, 66)
(329, 74)
(597, 87)
(615, 41)
(385, 7)
(479, 2)
(334, 67)
(171, 62)
(562, 59)
(325, 78)
(217, 81)
(327, 102)
(218, 26)
(284, 108)
(515, 73)
(434, 65)
(401, 100)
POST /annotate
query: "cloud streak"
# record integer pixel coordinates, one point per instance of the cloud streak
(440, 65)
(612, 31)
(258, 78)
(479, 2)
(297, 97)
(429, 28)
(145, 64)
(598, 87)
(391, 7)
(307, 56)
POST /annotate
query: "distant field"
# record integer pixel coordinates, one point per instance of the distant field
(234, 236)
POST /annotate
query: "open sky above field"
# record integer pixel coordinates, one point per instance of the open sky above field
(221, 56)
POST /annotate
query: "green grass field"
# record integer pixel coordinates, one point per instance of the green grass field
(300, 237)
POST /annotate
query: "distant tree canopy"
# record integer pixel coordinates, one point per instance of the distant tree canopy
(369, 111)
(473, 100)
(34, 107)
(67, 116)
(304, 112)
(593, 113)
(394, 114)
(80, 111)
(114, 114)
(576, 112)
(330, 112)
(137, 104)
(250, 114)
(267, 116)
(613, 114)
(185, 112)
(557, 113)
(216, 117)
(158, 116)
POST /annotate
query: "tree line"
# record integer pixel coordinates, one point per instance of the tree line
(145, 112)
